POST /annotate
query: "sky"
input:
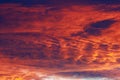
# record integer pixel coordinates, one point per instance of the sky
(59, 40)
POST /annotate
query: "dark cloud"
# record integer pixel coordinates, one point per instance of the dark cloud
(15, 17)
(103, 47)
(85, 59)
(7, 23)
(102, 24)
(115, 47)
(79, 33)
(25, 34)
(93, 75)
(11, 18)
(25, 51)
(95, 29)
(89, 47)
(10, 53)
(86, 74)
(15, 47)
(6, 43)
(56, 49)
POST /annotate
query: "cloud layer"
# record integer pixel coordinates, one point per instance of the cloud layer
(79, 39)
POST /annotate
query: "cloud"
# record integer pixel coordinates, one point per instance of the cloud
(96, 28)
(104, 24)
(14, 16)
(14, 47)
(74, 38)
(93, 31)
(106, 74)
(85, 74)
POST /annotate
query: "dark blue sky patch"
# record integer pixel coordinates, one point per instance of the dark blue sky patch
(104, 24)
(26, 1)
(96, 28)
(108, 8)
(93, 32)
(60, 2)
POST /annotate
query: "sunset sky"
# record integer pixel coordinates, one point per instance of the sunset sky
(59, 39)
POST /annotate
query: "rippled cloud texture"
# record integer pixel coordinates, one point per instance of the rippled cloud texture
(59, 40)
